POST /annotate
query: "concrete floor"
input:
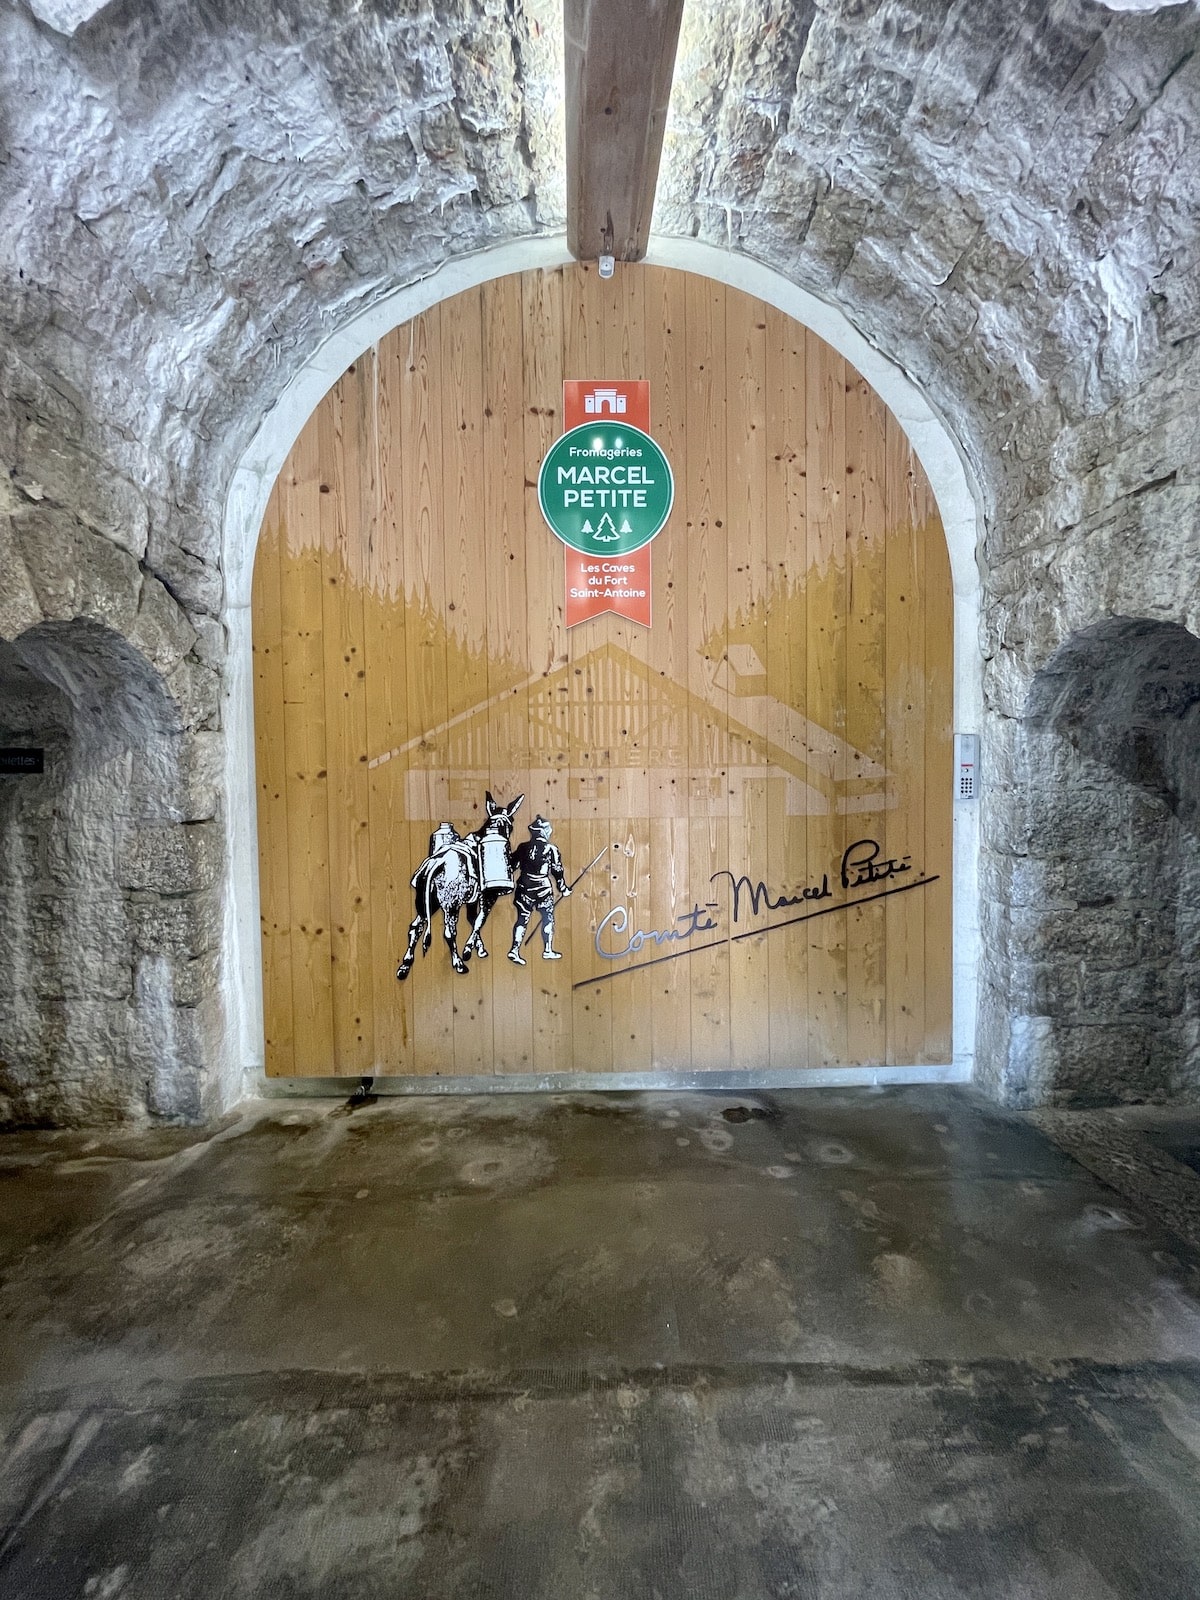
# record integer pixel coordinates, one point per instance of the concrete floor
(885, 1343)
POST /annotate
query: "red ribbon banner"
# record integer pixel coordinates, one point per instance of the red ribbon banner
(596, 583)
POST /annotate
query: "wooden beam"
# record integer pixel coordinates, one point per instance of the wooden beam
(620, 57)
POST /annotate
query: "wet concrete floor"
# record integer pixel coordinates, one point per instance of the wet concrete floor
(883, 1343)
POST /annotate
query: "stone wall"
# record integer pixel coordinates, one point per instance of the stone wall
(1001, 195)
(1095, 882)
(109, 872)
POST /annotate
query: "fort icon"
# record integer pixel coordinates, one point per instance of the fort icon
(602, 400)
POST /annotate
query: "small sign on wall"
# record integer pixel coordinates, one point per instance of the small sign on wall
(19, 762)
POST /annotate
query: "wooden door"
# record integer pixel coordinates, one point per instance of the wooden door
(760, 781)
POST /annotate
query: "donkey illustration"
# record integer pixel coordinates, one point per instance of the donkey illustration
(461, 874)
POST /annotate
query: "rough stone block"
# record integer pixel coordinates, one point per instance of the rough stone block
(79, 944)
(69, 474)
(161, 629)
(1112, 934)
(82, 851)
(194, 981)
(1031, 1066)
(76, 572)
(178, 858)
(1112, 1063)
(1050, 987)
(211, 644)
(195, 583)
(76, 1070)
(67, 16)
(1131, 989)
(181, 927)
(1115, 878)
(169, 1043)
(202, 776)
(20, 607)
(1026, 881)
(196, 691)
(1074, 823)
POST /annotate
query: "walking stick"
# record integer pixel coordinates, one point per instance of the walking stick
(558, 899)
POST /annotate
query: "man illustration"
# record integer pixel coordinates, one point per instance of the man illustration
(538, 869)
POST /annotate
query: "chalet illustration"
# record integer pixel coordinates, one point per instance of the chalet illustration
(577, 730)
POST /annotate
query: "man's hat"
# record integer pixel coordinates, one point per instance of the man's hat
(541, 825)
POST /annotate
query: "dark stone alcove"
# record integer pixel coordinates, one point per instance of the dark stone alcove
(94, 1021)
(1104, 946)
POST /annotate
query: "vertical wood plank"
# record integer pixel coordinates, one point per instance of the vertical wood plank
(423, 542)
(705, 479)
(670, 891)
(631, 999)
(938, 779)
(548, 645)
(304, 746)
(904, 828)
(826, 605)
(787, 666)
(274, 838)
(751, 752)
(339, 443)
(460, 386)
(503, 558)
(586, 828)
(866, 530)
(389, 729)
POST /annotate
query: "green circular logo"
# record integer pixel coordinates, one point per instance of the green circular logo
(605, 488)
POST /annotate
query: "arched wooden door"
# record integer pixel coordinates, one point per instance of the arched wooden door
(760, 781)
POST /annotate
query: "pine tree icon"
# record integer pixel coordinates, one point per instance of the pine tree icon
(606, 530)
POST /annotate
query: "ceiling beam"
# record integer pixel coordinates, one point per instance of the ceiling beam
(620, 58)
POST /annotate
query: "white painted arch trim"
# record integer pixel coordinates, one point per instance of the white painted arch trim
(263, 459)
